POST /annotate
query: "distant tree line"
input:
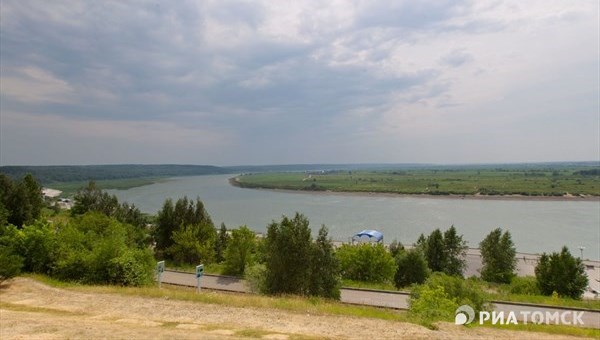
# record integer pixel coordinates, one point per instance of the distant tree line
(75, 173)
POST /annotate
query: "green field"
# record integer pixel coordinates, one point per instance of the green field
(70, 188)
(511, 181)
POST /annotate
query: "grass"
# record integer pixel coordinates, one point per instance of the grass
(314, 306)
(547, 300)
(468, 181)
(368, 285)
(550, 329)
(289, 303)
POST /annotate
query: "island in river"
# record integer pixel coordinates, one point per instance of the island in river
(565, 183)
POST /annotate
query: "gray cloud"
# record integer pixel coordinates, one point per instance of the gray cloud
(356, 73)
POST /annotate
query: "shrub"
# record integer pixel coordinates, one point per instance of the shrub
(432, 303)
(239, 251)
(411, 267)
(461, 291)
(366, 262)
(524, 286)
(561, 273)
(255, 276)
(192, 244)
(134, 267)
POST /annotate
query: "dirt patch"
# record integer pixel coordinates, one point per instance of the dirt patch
(64, 313)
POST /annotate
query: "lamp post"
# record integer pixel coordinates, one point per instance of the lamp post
(581, 248)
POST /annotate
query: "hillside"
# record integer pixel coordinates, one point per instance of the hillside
(30, 309)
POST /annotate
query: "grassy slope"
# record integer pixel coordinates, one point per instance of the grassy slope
(295, 304)
(436, 182)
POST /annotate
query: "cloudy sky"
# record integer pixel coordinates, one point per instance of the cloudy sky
(274, 82)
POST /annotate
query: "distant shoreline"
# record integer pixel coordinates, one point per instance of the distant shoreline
(234, 181)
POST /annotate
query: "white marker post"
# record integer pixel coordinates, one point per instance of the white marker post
(160, 268)
(199, 273)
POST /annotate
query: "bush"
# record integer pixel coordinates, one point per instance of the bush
(134, 267)
(432, 303)
(411, 267)
(193, 244)
(458, 290)
(255, 276)
(239, 251)
(561, 273)
(524, 286)
(366, 262)
(11, 264)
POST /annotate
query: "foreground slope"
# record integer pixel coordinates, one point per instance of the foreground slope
(30, 309)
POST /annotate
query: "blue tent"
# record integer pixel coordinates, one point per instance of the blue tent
(372, 234)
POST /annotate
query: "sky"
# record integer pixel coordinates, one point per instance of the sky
(280, 82)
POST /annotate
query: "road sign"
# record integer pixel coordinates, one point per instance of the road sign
(199, 273)
(160, 268)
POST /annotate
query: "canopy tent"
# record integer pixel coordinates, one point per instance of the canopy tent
(372, 234)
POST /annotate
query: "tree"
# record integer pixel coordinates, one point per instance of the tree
(92, 198)
(498, 255)
(395, 248)
(455, 249)
(20, 202)
(434, 251)
(193, 244)
(561, 273)
(444, 252)
(366, 262)
(238, 254)
(221, 243)
(411, 267)
(288, 256)
(325, 268)
(174, 217)
(165, 226)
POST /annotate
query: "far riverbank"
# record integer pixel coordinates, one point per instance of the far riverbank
(234, 181)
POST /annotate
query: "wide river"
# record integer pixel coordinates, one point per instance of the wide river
(535, 226)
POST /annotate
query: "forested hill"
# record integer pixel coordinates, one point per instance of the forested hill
(72, 173)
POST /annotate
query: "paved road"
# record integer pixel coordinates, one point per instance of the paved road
(367, 297)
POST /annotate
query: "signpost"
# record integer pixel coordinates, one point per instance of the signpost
(160, 268)
(199, 273)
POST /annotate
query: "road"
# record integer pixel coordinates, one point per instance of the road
(397, 300)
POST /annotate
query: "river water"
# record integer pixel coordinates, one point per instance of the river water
(535, 226)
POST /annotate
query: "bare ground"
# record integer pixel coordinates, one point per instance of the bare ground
(32, 310)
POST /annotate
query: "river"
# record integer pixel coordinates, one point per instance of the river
(535, 226)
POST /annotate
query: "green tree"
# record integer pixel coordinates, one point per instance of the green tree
(498, 255)
(238, 254)
(411, 267)
(455, 249)
(366, 262)
(192, 244)
(33, 192)
(288, 255)
(395, 248)
(444, 252)
(10, 244)
(434, 251)
(325, 278)
(92, 198)
(561, 273)
(21, 202)
(172, 218)
(221, 243)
